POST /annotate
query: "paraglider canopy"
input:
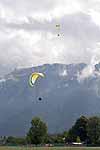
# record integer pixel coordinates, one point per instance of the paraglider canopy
(58, 25)
(58, 29)
(34, 77)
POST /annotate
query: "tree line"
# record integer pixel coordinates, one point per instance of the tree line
(85, 130)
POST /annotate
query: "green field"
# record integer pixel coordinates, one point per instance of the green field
(48, 148)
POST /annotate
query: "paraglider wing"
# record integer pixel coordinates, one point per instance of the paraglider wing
(34, 77)
(58, 28)
(58, 25)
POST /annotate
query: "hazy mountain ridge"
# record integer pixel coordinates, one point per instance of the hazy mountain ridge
(65, 97)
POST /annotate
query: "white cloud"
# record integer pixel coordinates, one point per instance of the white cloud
(87, 72)
(90, 69)
(28, 34)
(63, 73)
(2, 80)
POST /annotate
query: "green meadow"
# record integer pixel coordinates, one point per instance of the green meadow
(48, 148)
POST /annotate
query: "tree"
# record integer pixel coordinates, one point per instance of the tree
(78, 129)
(50, 139)
(71, 136)
(94, 130)
(78, 139)
(59, 138)
(11, 139)
(65, 135)
(38, 131)
(16, 140)
(81, 128)
(55, 138)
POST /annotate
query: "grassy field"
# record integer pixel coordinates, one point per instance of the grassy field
(48, 148)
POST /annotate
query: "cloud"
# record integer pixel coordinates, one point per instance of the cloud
(63, 73)
(33, 8)
(28, 33)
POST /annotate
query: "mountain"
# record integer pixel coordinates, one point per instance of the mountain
(66, 95)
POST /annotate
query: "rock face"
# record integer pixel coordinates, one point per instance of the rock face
(65, 94)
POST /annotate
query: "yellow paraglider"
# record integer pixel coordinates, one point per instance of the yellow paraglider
(34, 77)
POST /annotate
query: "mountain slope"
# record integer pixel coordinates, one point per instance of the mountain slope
(65, 97)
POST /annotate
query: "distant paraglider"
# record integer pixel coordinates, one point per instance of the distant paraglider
(58, 29)
(34, 79)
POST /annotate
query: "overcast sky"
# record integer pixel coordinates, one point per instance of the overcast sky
(28, 33)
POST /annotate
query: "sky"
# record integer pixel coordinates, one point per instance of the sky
(28, 33)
